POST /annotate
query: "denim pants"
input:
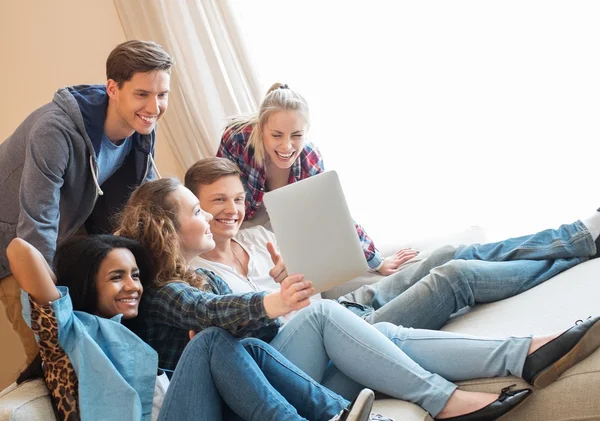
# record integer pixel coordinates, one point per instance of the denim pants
(254, 381)
(345, 353)
(427, 293)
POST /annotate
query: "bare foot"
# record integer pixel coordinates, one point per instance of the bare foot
(462, 403)
(539, 341)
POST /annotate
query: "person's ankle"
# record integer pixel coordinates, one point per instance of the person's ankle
(462, 403)
(539, 341)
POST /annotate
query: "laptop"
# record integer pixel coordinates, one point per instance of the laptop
(315, 232)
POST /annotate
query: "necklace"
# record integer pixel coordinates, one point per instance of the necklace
(238, 259)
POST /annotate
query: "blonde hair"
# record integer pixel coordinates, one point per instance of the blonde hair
(279, 98)
(207, 171)
(150, 217)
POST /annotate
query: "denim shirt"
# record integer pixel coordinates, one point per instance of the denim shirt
(115, 368)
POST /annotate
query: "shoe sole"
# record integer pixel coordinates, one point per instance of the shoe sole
(582, 349)
(361, 410)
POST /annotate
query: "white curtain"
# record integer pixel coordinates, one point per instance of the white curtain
(213, 77)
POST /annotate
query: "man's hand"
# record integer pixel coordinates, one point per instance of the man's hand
(279, 271)
(393, 262)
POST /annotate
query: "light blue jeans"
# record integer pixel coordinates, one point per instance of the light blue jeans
(345, 353)
(427, 293)
(254, 381)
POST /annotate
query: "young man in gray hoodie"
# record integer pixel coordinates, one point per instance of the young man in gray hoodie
(74, 162)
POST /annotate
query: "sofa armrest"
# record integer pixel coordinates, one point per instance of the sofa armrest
(25, 402)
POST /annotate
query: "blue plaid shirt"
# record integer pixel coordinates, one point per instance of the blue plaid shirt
(254, 177)
(168, 313)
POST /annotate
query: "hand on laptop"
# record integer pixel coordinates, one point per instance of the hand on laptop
(279, 271)
(393, 262)
(294, 294)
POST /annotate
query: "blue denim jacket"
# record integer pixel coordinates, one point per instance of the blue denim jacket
(115, 368)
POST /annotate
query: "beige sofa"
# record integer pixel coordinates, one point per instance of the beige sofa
(553, 306)
(550, 307)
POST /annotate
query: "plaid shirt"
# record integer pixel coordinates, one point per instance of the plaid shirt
(309, 163)
(168, 313)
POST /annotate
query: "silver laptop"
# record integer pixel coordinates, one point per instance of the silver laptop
(315, 232)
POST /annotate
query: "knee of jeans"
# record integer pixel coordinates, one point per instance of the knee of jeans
(453, 273)
(324, 306)
(207, 336)
(442, 254)
(385, 327)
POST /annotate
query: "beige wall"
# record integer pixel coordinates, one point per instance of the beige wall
(45, 45)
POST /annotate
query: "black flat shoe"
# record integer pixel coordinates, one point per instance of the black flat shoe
(506, 402)
(546, 364)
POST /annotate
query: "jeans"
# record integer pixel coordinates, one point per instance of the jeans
(345, 353)
(254, 380)
(426, 294)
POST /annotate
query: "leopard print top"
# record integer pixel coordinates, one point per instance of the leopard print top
(59, 373)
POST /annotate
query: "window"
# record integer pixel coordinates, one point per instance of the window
(440, 115)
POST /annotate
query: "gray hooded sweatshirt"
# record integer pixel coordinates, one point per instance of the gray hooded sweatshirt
(48, 173)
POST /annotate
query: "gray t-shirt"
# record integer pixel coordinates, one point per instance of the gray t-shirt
(111, 157)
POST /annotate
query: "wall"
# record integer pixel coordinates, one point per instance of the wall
(44, 46)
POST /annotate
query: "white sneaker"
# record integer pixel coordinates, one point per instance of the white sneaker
(359, 409)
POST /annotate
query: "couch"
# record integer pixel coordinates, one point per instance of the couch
(552, 306)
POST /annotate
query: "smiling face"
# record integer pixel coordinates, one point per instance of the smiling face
(225, 201)
(193, 223)
(118, 285)
(283, 137)
(138, 104)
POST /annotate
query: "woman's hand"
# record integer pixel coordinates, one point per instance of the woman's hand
(279, 271)
(294, 294)
(393, 262)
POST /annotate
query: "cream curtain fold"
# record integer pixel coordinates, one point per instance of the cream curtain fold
(213, 77)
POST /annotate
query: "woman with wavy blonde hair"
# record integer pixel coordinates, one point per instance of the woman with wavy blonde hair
(153, 209)
(325, 340)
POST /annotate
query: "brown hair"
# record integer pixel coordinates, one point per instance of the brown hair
(279, 97)
(133, 57)
(207, 171)
(150, 217)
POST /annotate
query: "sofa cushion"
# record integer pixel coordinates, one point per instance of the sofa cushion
(551, 307)
(29, 401)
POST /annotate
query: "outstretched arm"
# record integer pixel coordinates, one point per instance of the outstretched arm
(31, 271)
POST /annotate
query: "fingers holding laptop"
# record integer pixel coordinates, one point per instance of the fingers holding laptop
(294, 294)
(279, 271)
(392, 263)
(296, 291)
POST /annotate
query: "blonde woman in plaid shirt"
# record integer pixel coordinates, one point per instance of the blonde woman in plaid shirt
(271, 150)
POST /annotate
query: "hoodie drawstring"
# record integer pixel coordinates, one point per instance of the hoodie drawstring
(153, 166)
(95, 177)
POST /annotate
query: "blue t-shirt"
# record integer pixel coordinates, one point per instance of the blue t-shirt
(111, 157)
